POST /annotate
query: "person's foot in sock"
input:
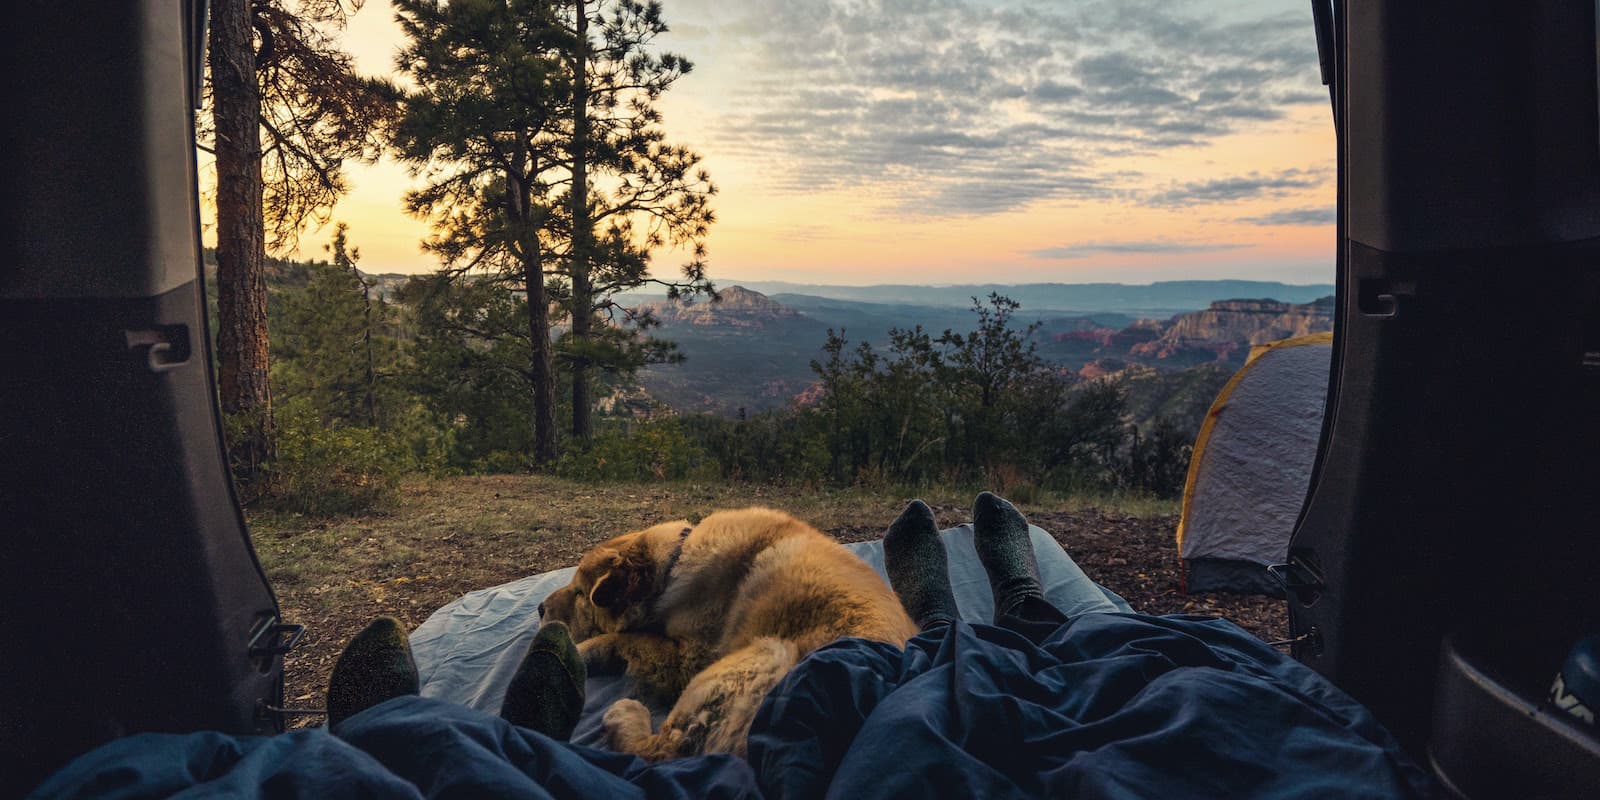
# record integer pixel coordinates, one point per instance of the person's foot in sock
(546, 693)
(914, 557)
(375, 666)
(1000, 535)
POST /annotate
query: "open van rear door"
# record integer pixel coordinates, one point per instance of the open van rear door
(130, 598)
(1449, 552)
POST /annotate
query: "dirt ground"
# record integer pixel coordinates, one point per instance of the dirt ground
(450, 536)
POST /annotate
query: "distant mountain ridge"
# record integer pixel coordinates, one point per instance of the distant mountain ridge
(753, 352)
(1159, 299)
(737, 307)
(1251, 321)
(1221, 334)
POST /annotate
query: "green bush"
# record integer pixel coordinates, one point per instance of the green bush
(323, 469)
(1158, 462)
(637, 451)
(785, 446)
(498, 462)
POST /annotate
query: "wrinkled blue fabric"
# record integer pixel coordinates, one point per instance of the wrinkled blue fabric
(1110, 705)
(409, 747)
(309, 763)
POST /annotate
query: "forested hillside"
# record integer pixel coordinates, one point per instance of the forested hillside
(376, 379)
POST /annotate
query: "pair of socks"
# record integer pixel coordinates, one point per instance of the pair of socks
(914, 557)
(546, 693)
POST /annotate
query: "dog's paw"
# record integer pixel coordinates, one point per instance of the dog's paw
(627, 724)
(600, 655)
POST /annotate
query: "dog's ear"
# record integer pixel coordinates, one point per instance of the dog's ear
(628, 579)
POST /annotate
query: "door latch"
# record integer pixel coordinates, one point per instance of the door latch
(1300, 579)
(165, 348)
(275, 639)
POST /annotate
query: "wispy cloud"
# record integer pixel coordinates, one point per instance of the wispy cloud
(953, 107)
(1296, 216)
(1156, 246)
(1239, 187)
(804, 233)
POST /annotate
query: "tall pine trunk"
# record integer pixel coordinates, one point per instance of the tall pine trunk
(582, 230)
(241, 251)
(541, 368)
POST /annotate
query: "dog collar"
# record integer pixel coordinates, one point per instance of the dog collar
(666, 575)
(677, 553)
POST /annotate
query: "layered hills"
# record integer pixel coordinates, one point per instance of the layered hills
(735, 307)
(1221, 334)
(751, 351)
(1155, 300)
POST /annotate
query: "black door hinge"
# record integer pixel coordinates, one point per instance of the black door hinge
(1300, 578)
(274, 638)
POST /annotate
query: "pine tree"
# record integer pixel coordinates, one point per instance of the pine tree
(482, 128)
(241, 249)
(298, 93)
(534, 124)
(334, 343)
(472, 367)
(630, 192)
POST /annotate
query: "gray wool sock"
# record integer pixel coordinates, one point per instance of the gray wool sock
(914, 557)
(375, 666)
(546, 693)
(1000, 534)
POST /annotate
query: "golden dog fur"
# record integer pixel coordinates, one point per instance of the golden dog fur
(751, 593)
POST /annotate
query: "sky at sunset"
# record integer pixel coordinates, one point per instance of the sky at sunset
(962, 141)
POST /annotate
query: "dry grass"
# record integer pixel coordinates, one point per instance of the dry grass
(446, 537)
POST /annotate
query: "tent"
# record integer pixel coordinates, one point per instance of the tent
(1252, 465)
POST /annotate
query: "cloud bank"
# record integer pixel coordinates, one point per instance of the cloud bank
(967, 107)
(1156, 246)
(1240, 187)
(1296, 216)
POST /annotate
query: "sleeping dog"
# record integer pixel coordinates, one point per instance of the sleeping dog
(709, 617)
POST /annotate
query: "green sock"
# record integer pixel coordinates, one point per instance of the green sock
(919, 571)
(546, 693)
(375, 666)
(1000, 534)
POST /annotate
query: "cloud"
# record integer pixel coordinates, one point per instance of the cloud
(953, 107)
(1227, 190)
(1323, 215)
(1156, 246)
(804, 233)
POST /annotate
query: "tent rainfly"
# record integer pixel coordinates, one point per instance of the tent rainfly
(1251, 467)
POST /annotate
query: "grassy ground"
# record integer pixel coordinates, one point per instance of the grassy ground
(446, 537)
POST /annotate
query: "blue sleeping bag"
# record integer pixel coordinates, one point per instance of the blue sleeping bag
(410, 747)
(1113, 704)
(1110, 705)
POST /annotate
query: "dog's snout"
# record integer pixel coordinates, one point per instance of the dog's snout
(541, 610)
